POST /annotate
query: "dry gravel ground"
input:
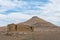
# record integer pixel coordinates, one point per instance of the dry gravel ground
(42, 34)
(47, 36)
(15, 36)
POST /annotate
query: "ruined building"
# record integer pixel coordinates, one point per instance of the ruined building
(19, 28)
(26, 26)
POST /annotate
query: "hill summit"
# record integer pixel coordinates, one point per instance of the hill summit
(34, 20)
(38, 22)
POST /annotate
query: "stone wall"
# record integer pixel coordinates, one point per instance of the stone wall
(11, 27)
(19, 28)
(24, 28)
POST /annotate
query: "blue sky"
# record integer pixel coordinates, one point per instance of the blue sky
(15, 11)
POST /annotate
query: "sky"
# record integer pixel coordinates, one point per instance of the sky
(16, 11)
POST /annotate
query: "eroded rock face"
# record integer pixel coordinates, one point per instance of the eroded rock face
(11, 27)
(24, 28)
(19, 28)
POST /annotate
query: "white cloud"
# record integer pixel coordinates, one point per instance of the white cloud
(51, 12)
(8, 4)
(13, 18)
(11, 4)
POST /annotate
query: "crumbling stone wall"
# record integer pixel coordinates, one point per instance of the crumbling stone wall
(11, 27)
(19, 28)
(24, 28)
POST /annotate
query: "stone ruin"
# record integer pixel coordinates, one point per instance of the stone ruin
(19, 28)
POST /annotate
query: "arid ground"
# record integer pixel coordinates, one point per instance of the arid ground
(38, 34)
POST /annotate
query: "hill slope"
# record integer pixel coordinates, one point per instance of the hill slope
(38, 22)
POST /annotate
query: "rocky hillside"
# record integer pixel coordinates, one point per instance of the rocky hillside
(38, 22)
